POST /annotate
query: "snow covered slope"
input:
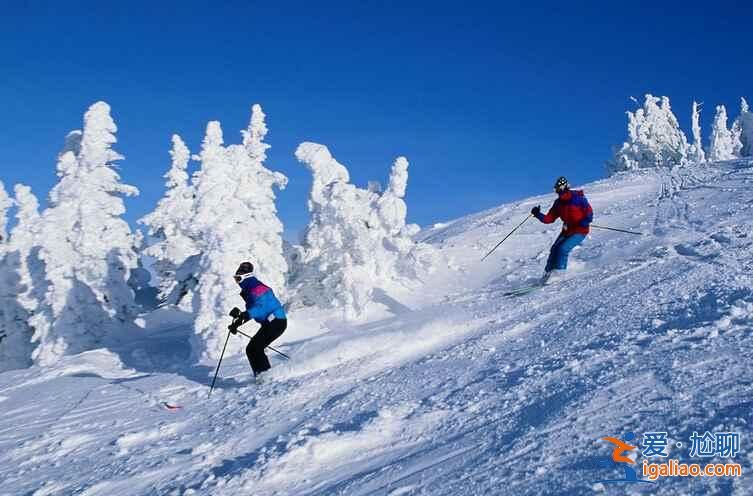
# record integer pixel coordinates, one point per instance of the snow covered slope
(457, 391)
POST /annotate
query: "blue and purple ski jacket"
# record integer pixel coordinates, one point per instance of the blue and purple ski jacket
(261, 301)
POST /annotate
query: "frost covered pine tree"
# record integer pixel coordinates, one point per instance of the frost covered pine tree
(742, 130)
(336, 258)
(654, 139)
(695, 151)
(85, 248)
(18, 300)
(237, 220)
(407, 258)
(256, 191)
(724, 145)
(171, 241)
(5, 204)
(357, 240)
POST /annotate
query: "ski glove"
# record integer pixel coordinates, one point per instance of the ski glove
(239, 318)
(240, 315)
(536, 211)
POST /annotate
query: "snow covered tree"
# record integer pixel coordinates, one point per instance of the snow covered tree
(86, 249)
(742, 130)
(336, 260)
(737, 133)
(18, 300)
(654, 139)
(391, 207)
(408, 258)
(5, 204)
(210, 189)
(356, 240)
(236, 219)
(256, 192)
(724, 145)
(695, 151)
(169, 225)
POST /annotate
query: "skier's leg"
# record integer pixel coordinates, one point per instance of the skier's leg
(554, 253)
(255, 351)
(565, 247)
(268, 332)
(276, 328)
(273, 331)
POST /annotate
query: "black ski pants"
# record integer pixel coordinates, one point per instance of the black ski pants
(268, 332)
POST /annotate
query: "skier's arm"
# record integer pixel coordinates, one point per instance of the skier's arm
(550, 216)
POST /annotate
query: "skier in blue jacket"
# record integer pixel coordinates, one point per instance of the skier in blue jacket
(262, 306)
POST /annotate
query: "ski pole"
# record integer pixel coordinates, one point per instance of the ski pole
(618, 230)
(270, 347)
(219, 363)
(503, 239)
(279, 352)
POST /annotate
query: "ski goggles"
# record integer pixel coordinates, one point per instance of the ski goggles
(242, 277)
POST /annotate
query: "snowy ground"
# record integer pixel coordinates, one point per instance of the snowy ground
(458, 390)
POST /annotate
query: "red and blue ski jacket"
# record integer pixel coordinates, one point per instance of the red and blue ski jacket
(261, 301)
(574, 210)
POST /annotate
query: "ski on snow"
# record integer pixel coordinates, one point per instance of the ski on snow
(523, 291)
(539, 285)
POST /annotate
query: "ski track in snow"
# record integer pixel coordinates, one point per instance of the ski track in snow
(467, 393)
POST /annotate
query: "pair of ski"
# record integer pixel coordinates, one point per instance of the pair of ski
(534, 287)
(523, 290)
(540, 285)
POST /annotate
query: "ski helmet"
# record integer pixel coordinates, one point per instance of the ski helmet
(561, 184)
(245, 270)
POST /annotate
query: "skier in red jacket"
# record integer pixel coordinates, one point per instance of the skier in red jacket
(573, 208)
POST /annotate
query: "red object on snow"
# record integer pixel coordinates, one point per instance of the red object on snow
(572, 207)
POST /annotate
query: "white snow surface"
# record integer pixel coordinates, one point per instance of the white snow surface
(452, 389)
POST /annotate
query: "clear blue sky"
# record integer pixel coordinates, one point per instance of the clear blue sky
(489, 101)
